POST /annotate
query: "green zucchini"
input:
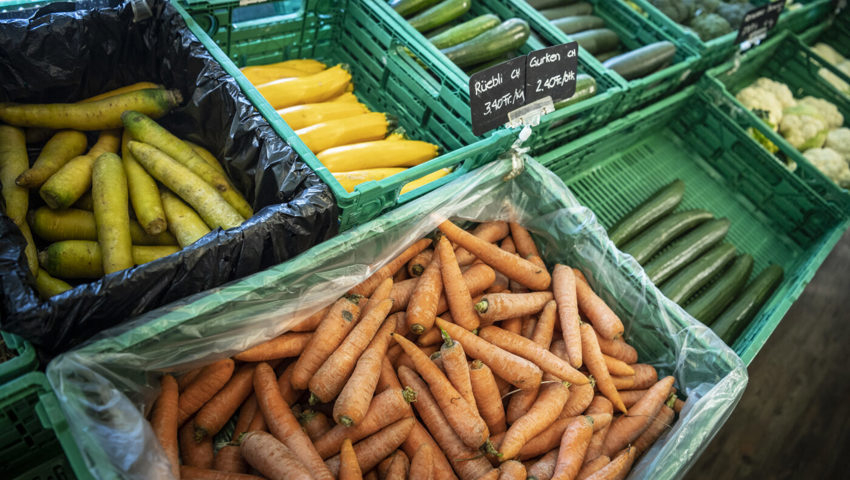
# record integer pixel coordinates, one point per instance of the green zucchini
(440, 14)
(715, 298)
(662, 232)
(578, 23)
(409, 7)
(580, 8)
(662, 202)
(684, 284)
(738, 315)
(483, 66)
(585, 88)
(541, 4)
(508, 36)
(686, 249)
(599, 40)
(465, 31)
(643, 61)
(602, 57)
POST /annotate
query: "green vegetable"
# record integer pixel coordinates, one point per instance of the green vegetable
(664, 231)
(713, 300)
(734, 13)
(507, 37)
(440, 14)
(643, 61)
(738, 315)
(686, 249)
(578, 23)
(684, 284)
(676, 10)
(409, 7)
(710, 26)
(585, 88)
(604, 57)
(662, 202)
(595, 41)
(580, 8)
(465, 31)
(541, 4)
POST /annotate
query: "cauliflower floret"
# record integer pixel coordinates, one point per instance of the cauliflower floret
(835, 80)
(779, 89)
(710, 26)
(839, 140)
(828, 53)
(763, 102)
(803, 128)
(827, 111)
(831, 164)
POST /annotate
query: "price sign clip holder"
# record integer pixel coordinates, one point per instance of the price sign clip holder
(527, 116)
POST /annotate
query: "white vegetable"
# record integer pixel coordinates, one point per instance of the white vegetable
(755, 98)
(828, 53)
(780, 90)
(831, 164)
(803, 128)
(839, 140)
(834, 80)
(826, 110)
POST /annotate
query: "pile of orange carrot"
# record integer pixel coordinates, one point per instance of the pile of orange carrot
(463, 357)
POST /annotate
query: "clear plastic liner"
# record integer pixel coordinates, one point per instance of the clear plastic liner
(107, 385)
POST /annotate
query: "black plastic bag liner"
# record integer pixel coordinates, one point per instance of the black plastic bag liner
(65, 52)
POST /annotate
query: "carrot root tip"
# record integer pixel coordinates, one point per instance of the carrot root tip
(481, 306)
(417, 329)
(200, 433)
(409, 394)
(490, 449)
(346, 421)
(313, 400)
(417, 270)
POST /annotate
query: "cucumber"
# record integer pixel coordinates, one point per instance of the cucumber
(508, 36)
(541, 4)
(738, 315)
(465, 31)
(686, 249)
(684, 284)
(599, 40)
(585, 88)
(440, 14)
(662, 202)
(409, 7)
(578, 23)
(711, 302)
(643, 61)
(602, 57)
(662, 232)
(485, 65)
(580, 8)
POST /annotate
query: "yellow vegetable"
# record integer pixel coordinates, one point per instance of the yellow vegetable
(84, 202)
(424, 180)
(343, 97)
(333, 133)
(67, 185)
(300, 116)
(349, 180)
(144, 194)
(63, 146)
(317, 87)
(75, 224)
(261, 74)
(111, 215)
(97, 115)
(183, 222)
(125, 89)
(304, 64)
(207, 156)
(205, 199)
(49, 286)
(82, 258)
(378, 154)
(13, 162)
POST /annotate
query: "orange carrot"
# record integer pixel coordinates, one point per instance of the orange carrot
(500, 283)
(457, 370)
(397, 467)
(404, 359)
(518, 269)
(617, 367)
(401, 275)
(373, 474)
(517, 370)
(457, 295)
(544, 468)
(592, 466)
(329, 334)
(564, 288)
(422, 306)
(513, 325)
(462, 416)
(550, 437)
(400, 321)
(366, 287)
(387, 378)
(419, 437)
(353, 401)
(477, 277)
(617, 466)
(188, 472)
(600, 315)
(645, 376)
(594, 450)
(512, 470)
(187, 378)
(623, 383)
(314, 423)
(284, 385)
(600, 404)
(574, 444)
(194, 453)
(371, 450)
(528, 324)
(626, 428)
(678, 405)
(283, 346)
(580, 397)
(212, 417)
(525, 348)
(417, 264)
(487, 396)
(310, 323)
(596, 365)
(283, 424)
(522, 239)
(545, 410)
(521, 401)
(618, 349)
(349, 468)
(258, 423)
(659, 425)
(508, 245)
(164, 422)
(494, 307)
(422, 463)
(432, 336)
(467, 462)
(380, 293)
(387, 407)
(272, 458)
(630, 397)
(229, 458)
(207, 384)
(487, 231)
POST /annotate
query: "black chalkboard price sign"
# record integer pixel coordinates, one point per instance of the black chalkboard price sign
(757, 22)
(494, 92)
(551, 72)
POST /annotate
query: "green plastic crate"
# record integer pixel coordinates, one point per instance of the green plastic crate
(786, 59)
(555, 128)
(836, 34)
(35, 443)
(719, 49)
(23, 361)
(386, 79)
(774, 217)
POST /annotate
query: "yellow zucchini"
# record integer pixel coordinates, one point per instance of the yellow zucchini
(125, 89)
(144, 194)
(13, 162)
(343, 97)
(48, 286)
(410, 186)
(308, 65)
(61, 147)
(261, 74)
(317, 87)
(300, 116)
(186, 225)
(349, 180)
(333, 133)
(67, 185)
(207, 156)
(111, 214)
(378, 154)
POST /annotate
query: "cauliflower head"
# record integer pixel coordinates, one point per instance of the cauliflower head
(835, 80)
(839, 140)
(779, 89)
(827, 110)
(828, 53)
(830, 163)
(803, 128)
(763, 102)
(710, 26)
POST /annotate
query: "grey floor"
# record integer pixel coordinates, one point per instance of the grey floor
(794, 418)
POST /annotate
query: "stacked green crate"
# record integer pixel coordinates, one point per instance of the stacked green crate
(22, 361)
(835, 34)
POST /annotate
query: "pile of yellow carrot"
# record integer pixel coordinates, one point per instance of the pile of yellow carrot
(463, 357)
(355, 144)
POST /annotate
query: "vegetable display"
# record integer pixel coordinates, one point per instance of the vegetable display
(355, 144)
(839, 61)
(417, 392)
(684, 254)
(118, 203)
(708, 19)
